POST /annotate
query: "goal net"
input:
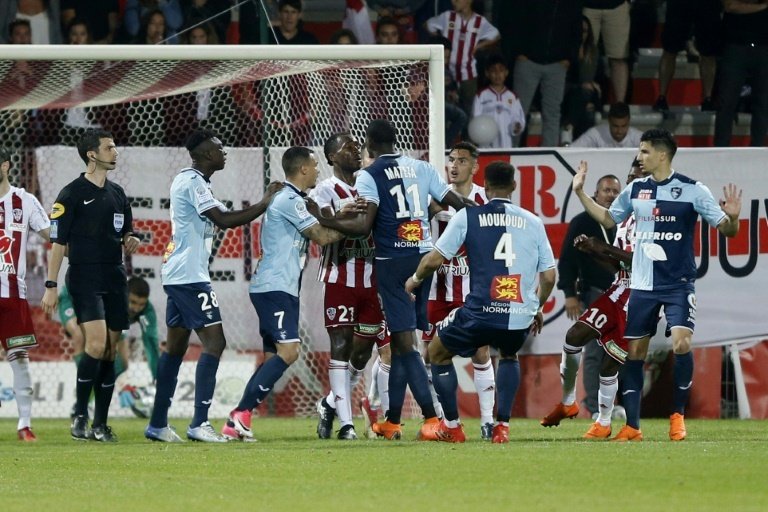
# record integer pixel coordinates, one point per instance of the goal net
(260, 101)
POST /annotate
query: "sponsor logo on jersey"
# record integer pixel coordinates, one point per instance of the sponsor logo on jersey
(118, 219)
(645, 194)
(658, 235)
(54, 233)
(411, 231)
(676, 192)
(330, 313)
(506, 288)
(301, 209)
(57, 210)
(22, 341)
(656, 216)
(6, 258)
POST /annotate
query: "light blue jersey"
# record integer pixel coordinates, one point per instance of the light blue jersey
(186, 257)
(283, 247)
(507, 248)
(665, 214)
(401, 187)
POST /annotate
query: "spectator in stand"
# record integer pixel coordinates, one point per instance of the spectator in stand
(102, 17)
(387, 31)
(216, 12)
(290, 30)
(138, 10)
(616, 133)
(154, 28)
(43, 17)
(745, 54)
(548, 36)
(500, 103)
(610, 18)
(19, 32)
(343, 36)
(704, 15)
(205, 33)
(582, 91)
(469, 33)
(455, 117)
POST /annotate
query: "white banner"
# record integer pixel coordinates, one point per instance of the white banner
(727, 290)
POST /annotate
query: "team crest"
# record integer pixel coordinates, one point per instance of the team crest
(18, 215)
(2, 214)
(506, 288)
(330, 313)
(676, 192)
(283, 335)
(117, 221)
(410, 231)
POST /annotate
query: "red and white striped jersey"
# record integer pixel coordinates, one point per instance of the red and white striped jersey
(464, 36)
(348, 261)
(20, 211)
(625, 238)
(505, 108)
(451, 281)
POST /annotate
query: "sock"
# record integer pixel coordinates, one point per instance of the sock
(446, 383)
(354, 376)
(398, 380)
(167, 375)
(103, 388)
(382, 383)
(569, 369)
(507, 382)
(419, 383)
(432, 391)
(338, 374)
(330, 400)
(485, 385)
(22, 386)
(120, 365)
(609, 386)
(633, 390)
(205, 384)
(86, 374)
(373, 390)
(683, 376)
(261, 383)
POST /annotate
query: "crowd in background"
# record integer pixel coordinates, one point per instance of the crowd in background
(569, 60)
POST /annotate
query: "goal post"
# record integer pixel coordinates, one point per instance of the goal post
(260, 100)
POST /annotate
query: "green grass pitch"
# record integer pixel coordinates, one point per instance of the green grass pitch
(722, 466)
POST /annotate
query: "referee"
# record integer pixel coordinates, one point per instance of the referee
(90, 222)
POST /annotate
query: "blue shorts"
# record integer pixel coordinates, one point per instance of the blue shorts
(461, 340)
(402, 313)
(643, 310)
(278, 318)
(191, 306)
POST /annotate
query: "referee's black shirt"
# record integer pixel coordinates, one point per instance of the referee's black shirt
(92, 220)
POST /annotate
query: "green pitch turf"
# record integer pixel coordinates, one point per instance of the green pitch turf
(722, 466)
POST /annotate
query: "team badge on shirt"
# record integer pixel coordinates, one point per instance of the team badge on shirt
(506, 288)
(410, 231)
(676, 192)
(330, 313)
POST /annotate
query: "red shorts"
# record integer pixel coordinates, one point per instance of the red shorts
(437, 310)
(359, 307)
(16, 330)
(608, 316)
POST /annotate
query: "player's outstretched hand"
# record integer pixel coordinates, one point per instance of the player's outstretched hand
(731, 204)
(411, 285)
(585, 243)
(273, 188)
(353, 209)
(580, 176)
(573, 308)
(312, 207)
(131, 244)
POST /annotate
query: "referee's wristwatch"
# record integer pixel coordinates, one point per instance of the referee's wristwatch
(51, 284)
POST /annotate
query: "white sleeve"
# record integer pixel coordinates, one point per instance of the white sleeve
(487, 31)
(38, 219)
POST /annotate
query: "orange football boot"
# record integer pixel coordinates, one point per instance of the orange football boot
(450, 435)
(500, 434)
(559, 413)
(598, 431)
(428, 430)
(387, 430)
(628, 433)
(677, 430)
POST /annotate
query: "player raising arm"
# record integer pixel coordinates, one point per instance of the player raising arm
(666, 205)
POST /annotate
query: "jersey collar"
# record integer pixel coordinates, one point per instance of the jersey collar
(294, 187)
(208, 180)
